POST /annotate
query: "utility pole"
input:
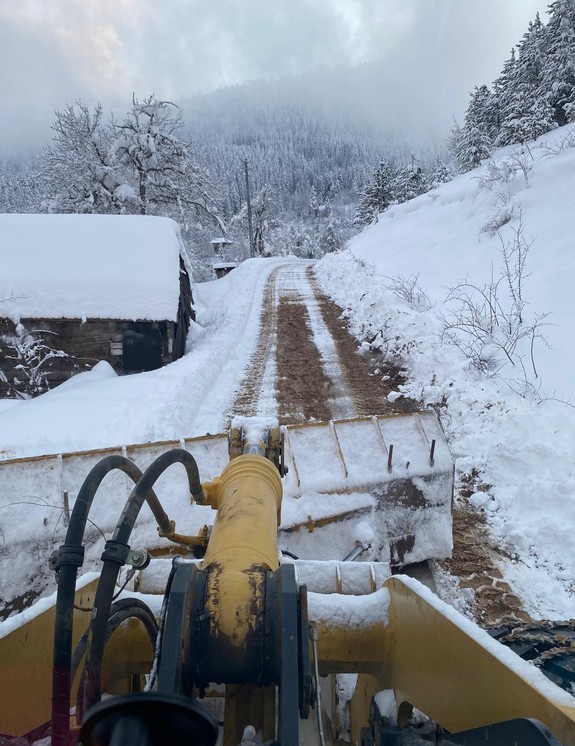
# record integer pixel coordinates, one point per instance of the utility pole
(250, 227)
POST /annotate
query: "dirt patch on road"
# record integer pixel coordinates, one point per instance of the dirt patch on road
(302, 386)
(369, 377)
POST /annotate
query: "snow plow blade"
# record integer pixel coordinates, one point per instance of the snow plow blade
(396, 471)
(393, 472)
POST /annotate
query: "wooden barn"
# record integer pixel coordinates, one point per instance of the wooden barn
(77, 289)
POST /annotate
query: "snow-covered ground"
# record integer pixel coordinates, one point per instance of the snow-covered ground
(522, 446)
(192, 396)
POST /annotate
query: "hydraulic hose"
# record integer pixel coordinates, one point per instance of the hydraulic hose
(161, 626)
(115, 554)
(122, 610)
(69, 558)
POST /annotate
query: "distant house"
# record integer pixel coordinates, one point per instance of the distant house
(76, 289)
(224, 261)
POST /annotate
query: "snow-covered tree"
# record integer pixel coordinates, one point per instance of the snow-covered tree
(474, 141)
(559, 66)
(504, 85)
(330, 239)
(410, 181)
(440, 173)
(484, 112)
(161, 168)
(20, 185)
(378, 195)
(261, 206)
(79, 170)
(313, 204)
(526, 113)
(137, 165)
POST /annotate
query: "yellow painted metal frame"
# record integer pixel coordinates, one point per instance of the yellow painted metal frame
(26, 665)
(458, 675)
(443, 664)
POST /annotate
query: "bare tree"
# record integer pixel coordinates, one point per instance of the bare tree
(162, 167)
(78, 168)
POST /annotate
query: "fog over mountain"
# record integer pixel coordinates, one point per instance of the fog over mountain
(395, 60)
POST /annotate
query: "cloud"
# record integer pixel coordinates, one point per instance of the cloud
(57, 51)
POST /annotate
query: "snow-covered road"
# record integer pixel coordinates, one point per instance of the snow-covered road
(295, 349)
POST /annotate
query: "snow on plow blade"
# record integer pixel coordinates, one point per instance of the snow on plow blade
(395, 473)
(396, 470)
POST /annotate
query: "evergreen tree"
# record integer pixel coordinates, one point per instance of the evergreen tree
(527, 114)
(330, 240)
(558, 48)
(313, 205)
(410, 181)
(440, 174)
(503, 87)
(473, 142)
(484, 112)
(20, 186)
(378, 195)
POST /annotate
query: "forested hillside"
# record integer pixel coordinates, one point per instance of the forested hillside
(534, 93)
(307, 167)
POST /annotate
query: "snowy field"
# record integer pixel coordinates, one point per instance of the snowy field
(522, 446)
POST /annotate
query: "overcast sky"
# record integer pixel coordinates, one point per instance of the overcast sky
(56, 51)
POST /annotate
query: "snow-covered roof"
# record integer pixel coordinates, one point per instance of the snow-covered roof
(89, 266)
(225, 265)
(221, 240)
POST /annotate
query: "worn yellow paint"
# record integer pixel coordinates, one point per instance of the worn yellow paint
(365, 689)
(26, 661)
(128, 653)
(247, 496)
(349, 648)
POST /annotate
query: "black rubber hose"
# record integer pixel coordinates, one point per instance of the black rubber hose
(121, 611)
(114, 556)
(176, 562)
(70, 557)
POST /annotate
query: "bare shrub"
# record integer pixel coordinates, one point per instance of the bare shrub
(566, 143)
(498, 220)
(409, 290)
(487, 322)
